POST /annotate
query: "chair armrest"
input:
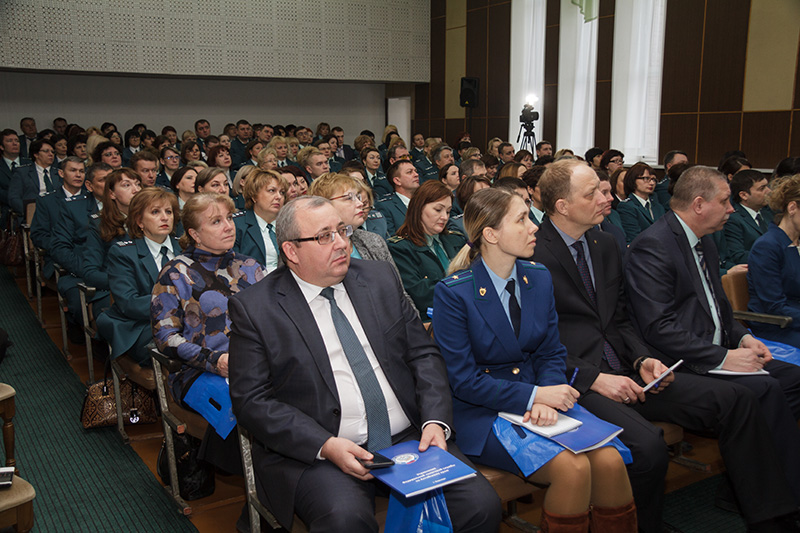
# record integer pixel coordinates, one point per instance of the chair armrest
(87, 290)
(170, 364)
(776, 320)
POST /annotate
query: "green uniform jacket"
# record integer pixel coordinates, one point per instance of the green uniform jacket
(420, 269)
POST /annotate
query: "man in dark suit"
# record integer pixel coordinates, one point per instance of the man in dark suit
(611, 223)
(301, 394)
(613, 364)
(749, 221)
(680, 309)
(344, 151)
(28, 127)
(202, 128)
(9, 162)
(30, 181)
(404, 178)
(244, 132)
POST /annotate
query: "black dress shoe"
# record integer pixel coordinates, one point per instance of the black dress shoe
(75, 334)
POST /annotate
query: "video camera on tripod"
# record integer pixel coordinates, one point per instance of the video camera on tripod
(527, 117)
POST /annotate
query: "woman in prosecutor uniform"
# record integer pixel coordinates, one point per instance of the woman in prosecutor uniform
(133, 268)
(496, 325)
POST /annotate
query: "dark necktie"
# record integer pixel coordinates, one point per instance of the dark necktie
(164, 256)
(48, 184)
(13, 166)
(513, 306)
(649, 208)
(272, 237)
(379, 430)
(583, 269)
(704, 267)
(760, 222)
(443, 259)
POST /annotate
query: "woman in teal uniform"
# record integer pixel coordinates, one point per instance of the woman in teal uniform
(133, 268)
(423, 247)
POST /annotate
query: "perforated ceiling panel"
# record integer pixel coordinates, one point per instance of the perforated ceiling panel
(371, 40)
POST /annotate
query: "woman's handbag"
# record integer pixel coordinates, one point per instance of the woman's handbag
(13, 251)
(195, 477)
(99, 408)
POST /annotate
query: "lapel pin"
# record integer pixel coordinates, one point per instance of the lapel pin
(455, 277)
(525, 279)
(482, 291)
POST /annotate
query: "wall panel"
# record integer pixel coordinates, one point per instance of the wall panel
(764, 136)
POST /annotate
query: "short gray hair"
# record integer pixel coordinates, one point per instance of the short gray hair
(70, 159)
(695, 181)
(287, 227)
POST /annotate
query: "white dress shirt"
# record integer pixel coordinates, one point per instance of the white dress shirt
(271, 256)
(155, 250)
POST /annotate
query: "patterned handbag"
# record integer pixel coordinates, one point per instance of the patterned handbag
(99, 408)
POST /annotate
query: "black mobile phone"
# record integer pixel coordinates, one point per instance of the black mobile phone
(377, 461)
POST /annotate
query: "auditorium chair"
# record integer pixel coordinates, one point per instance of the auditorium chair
(16, 503)
(735, 286)
(86, 294)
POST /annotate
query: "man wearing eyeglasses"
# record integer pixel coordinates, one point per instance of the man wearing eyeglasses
(30, 181)
(328, 362)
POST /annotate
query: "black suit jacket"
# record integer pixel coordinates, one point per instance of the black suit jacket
(584, 326)
(667, 300)
(281, 382)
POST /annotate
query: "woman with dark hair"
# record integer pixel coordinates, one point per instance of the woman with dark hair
(220, 157)
(148, 138)
(524, 157)
(423, 246)
(300, 183)
(495, 322)
(611, 161)
(323, 129)
(108, 226)
(638, 212)
(773, 272)
(182, 182)
(212, 179)
(115, 137)
(732, 165)
(188, 309)
(617, 180)
(60, 146)
(108, 153)
(170, 160)
(133, 268)
(190, 151)
(76, 145)
(491, 163)
(511, 170)
(593, 156)
(133, 143)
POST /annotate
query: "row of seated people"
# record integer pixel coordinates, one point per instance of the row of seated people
(350, 196)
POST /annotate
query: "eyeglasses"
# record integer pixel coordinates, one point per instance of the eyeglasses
(172, 157)
(646, 179)
(327, 237)
(617, 160)
(110, 154)
(350, 197)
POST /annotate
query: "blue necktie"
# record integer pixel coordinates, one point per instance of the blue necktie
(272, 237)
(379, 431)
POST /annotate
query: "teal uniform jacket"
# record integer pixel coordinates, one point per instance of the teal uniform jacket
(5, 183)
(420, 269)
(635, 218)
(661, 193)
(249, 240)
(70, 232)
(132, 273)
(48, 212)
(24, 186)
(394, 211)
(427, 170)
(162, 180)
(376, 223)
(238, 152)
(334, 164)
(741, 232)
(95, 255)
(380, 186)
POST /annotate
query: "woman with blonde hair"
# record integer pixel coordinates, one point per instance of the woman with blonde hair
(492, 145)
(496, 325)
(264, 194)
(267, 159)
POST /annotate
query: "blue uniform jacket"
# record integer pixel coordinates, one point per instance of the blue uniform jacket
(5, 178)
(741, 231)
(132, 274)
(25, 186)
(95, 255)
(48, 211)
(635, 218)
(490, 369)
(70, 232)
(773, 280)
(249, 240)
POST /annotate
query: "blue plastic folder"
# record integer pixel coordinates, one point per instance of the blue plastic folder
(782, 352)
(210, 396)
(531, 451)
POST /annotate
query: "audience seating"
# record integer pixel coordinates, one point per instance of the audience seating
(16, 503)
(735, 286)
(123, 367)
(62, 313)
(86, 294)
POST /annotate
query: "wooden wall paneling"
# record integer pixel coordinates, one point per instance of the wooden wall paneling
(499, 54)
(423, 127)
(477, 56)
(607, 8)
(436, 128)
(549, 129)
(553, 12)
(602, 118)
(438, 8)
(797, 80)
(475, 4)
(794, 146)
(718, 133)
(497, 127)
(682, 56)
(551, 55)
(764, 137)
(724, 54)
(605, 47)
(478, 132)
(678, 132)
(422, 101)
(453, 126)
(437, 67)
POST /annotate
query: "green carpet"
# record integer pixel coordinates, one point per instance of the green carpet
(692, 510)
(84, 480)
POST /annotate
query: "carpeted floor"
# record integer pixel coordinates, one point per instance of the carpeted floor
(692, 510)
(84, 480)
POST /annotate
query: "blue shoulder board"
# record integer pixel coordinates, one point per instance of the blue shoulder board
(124, 243)
(462, 276)
(238, 214)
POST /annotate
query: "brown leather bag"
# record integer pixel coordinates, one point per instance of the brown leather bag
(13, 252)
(99, 409)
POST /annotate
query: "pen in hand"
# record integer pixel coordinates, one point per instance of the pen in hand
(574, 375)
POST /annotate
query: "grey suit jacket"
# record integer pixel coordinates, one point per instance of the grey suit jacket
(281, 383)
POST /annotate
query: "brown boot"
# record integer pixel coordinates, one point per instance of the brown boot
(559, 523)
(614, 519)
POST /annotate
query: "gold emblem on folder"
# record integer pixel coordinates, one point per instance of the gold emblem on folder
(482, 291)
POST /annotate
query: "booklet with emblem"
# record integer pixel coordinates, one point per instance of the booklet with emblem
(562, 425)
(416, 472)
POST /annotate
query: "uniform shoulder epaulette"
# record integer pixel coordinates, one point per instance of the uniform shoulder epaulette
(462, 276)
(238, 214)
(533, 265)
(94, 216)
(124, 243)
(46, 193)
(396, 238)
(75, 198)
(454, 232)
(374, 214)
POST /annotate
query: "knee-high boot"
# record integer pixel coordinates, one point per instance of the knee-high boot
(559, 523)
(620, 519)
